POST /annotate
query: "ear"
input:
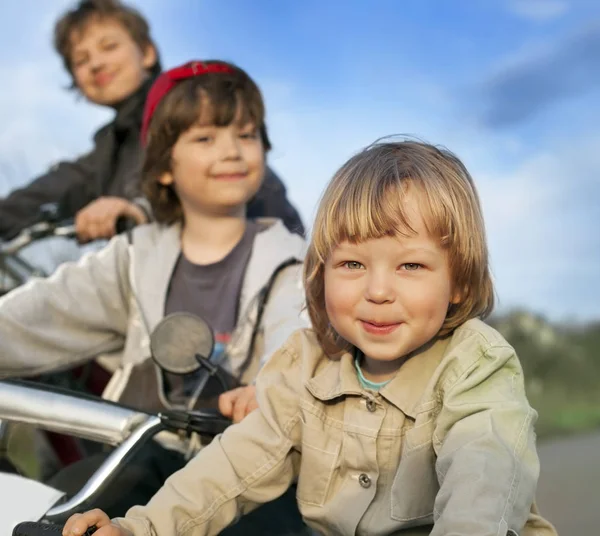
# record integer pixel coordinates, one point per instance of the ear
(166, 179)
(150, 57)
(457, 296)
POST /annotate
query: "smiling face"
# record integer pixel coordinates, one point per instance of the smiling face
(389, 296)
(107, 64)
(216, 170)
(397, 255)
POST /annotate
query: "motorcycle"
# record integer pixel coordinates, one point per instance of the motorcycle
(84, 416)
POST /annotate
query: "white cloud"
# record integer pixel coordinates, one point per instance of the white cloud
(539, 10)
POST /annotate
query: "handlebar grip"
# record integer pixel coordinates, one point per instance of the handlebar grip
(37, 529)
(124, 224)
(207, 422)
(50, 212)
(32, 528)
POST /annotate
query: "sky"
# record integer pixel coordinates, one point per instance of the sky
(511, 86)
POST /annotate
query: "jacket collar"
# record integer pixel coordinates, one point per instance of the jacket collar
(131, 110)
(337, 379)
(405, 390)
(273, 246)
(153, 270)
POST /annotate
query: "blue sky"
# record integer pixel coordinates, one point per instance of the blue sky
(512, 86)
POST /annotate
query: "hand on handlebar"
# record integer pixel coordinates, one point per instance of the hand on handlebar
(238, 403)
(98, 219)
(78, 524)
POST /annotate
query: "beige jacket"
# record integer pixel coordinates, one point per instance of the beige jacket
(446, 448)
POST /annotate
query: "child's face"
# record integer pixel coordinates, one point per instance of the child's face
(107, 64)
(389, 296)
(216, 170)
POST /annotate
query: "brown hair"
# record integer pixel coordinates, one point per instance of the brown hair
(364, 201)
(213, 98)
(77, 19)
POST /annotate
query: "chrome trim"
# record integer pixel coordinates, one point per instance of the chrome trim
(94, 419)
(107, 471)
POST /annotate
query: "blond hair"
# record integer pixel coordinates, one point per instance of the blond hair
(364, 200)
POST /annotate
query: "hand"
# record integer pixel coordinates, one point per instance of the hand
(98, 219)
(236, 404)
(77, 524)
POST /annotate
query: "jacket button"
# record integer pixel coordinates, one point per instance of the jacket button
(364, 480)
(371, 405)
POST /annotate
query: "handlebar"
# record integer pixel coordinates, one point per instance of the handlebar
(29, 528)
(106, 473)
(55, 409)
(60, 410)
(36, 232)
(18, 269)
(46, 229)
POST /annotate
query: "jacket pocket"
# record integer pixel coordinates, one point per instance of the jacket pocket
(415, 485)
(320, 453)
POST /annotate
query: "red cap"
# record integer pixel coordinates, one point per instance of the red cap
(168, 80)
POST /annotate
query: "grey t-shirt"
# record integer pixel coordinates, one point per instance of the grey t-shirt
(212, 292)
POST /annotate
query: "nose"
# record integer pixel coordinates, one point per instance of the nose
(231, 147)
(96, 61)
(380, 287)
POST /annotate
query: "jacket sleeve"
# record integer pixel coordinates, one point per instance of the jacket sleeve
(285, 310)
(67, 183)
(249, 464)
(487, 462)
(271, 201)
(82, 310)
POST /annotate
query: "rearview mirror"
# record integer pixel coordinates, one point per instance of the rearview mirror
(178, 339)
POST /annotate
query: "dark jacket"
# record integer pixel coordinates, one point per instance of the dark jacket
(112, 168)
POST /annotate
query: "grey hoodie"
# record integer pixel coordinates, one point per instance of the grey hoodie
(111, 300)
